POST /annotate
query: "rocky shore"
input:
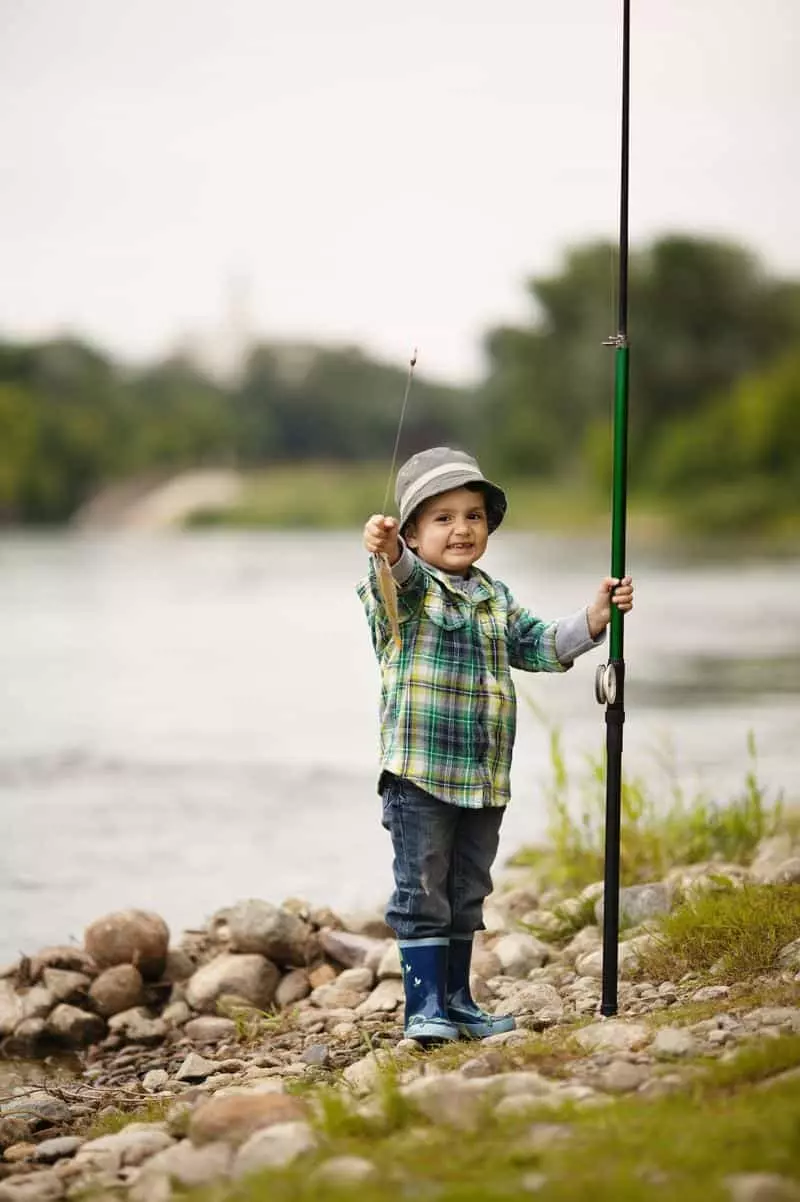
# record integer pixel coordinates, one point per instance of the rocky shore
(220, 1044)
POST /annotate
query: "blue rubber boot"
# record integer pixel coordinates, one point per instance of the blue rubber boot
(462, 1009)
(424, 964)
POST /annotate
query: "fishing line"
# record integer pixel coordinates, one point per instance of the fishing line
(411, 365)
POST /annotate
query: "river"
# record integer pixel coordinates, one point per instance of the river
(189, 719)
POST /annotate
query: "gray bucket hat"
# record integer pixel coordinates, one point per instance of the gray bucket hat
(437, 470)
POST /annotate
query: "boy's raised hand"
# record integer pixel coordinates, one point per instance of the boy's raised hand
(381, 537)
(611, 591)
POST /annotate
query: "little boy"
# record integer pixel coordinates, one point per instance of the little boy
(448, 717)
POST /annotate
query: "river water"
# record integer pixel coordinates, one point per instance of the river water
(189, 719)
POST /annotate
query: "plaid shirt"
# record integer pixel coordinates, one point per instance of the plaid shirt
(448, 707)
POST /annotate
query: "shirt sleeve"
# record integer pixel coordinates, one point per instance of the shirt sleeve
(536, 645)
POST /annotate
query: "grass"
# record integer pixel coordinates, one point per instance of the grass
(629, 1150)
(656, 834)
(737, 932)
(153, 1111)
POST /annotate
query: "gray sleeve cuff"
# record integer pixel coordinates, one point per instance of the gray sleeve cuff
(404, 566)
(573, 638)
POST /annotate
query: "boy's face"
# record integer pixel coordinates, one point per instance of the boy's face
(451, 531)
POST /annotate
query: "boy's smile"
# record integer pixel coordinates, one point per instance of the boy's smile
(450, 532)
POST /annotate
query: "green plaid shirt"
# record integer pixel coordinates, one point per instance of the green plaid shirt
(448, 708)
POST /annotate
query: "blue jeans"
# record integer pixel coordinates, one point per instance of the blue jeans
(443, 856)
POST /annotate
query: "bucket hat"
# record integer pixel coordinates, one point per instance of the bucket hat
(431, 472)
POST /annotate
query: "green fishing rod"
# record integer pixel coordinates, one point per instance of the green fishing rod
(610, 678)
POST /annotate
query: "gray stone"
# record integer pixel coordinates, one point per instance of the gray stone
(363, 1075)
(316, 1054)
(65, 985)
(136, 937)
(519, 953)
(196, 1068)
(761, 1187)
(38, 1187)
(210, 1028)
(622, 1077)
(75, 1028)
(155, 1080)
(384, 999)
(176, 1013)
(14, 1130)
(346, 949)
(674, 1041)
(293, 988)
(710, 993)
(637, 903)
(131, 1146)
(28, 1039)
(10, 1008)
(389, 963)
(51, 1150)
(785, 1017)
(250, 977)
(613, 1035)
(584, 943)
(344, 1170)
(233, 1116)
(789, 956)
(273, 1148)
(37, 1002)
(770, 854)
(37, 1107)
(360, 980)
(184, 1164)
(532, 997)
(257, 926)
(138, 1026)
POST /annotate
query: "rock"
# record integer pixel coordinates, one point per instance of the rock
(176, 1014)
(344, 1170)
(485, 964)
(591, 965)
(179, 966)
(210, 1028)
(384, 999)
(73, 1027)
(65, 985)
(761, 1187)
(583, 944)
(519, 953)
(138, 1026)
(131, 1146)
(38, 1108)
(257, 926)
(363, 1075)
(316, 1054)
(28, 1039)
(674, 1041)
(51, 1150)
(770, 854)
(273, 1148)
(622, 1077)
(68, 957)
(336, 997)
(789, 956)
(117, 989)
(637, 903)
(710, 993)
(293, 988)
(14, 1130)
(785, 1017)
(531, 997)
(360, 980)
(196, 1068)
(371, 923)
(516, 902)
(250, 977)
(155, 1080)
(19, 1153)
(184, 1164)
(39, 1187)
(346, 949)
(389, 963)
(785, 873)
(323, 974)
(234, 1118)
(136, 937)
(10, 1008)
(613, 1035)
(37, 1002)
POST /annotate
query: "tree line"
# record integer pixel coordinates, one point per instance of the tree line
(714, 410)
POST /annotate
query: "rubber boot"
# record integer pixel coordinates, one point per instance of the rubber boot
(462, 1009)
(424, 964)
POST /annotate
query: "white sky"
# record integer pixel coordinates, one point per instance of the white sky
(381, 173)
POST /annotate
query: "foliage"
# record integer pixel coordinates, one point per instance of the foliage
(657, 832)
(736, 931)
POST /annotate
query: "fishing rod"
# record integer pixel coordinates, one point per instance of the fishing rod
(610, 678)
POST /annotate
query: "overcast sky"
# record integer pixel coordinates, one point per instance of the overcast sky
(382, 173)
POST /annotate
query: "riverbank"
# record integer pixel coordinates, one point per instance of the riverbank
(262, 1053)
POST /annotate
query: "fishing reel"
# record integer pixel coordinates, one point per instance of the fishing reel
(605, 684)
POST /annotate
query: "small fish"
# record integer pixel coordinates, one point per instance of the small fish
(387, 586)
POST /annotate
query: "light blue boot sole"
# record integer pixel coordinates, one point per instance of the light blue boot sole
(482, 1028)
(432, 1029)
